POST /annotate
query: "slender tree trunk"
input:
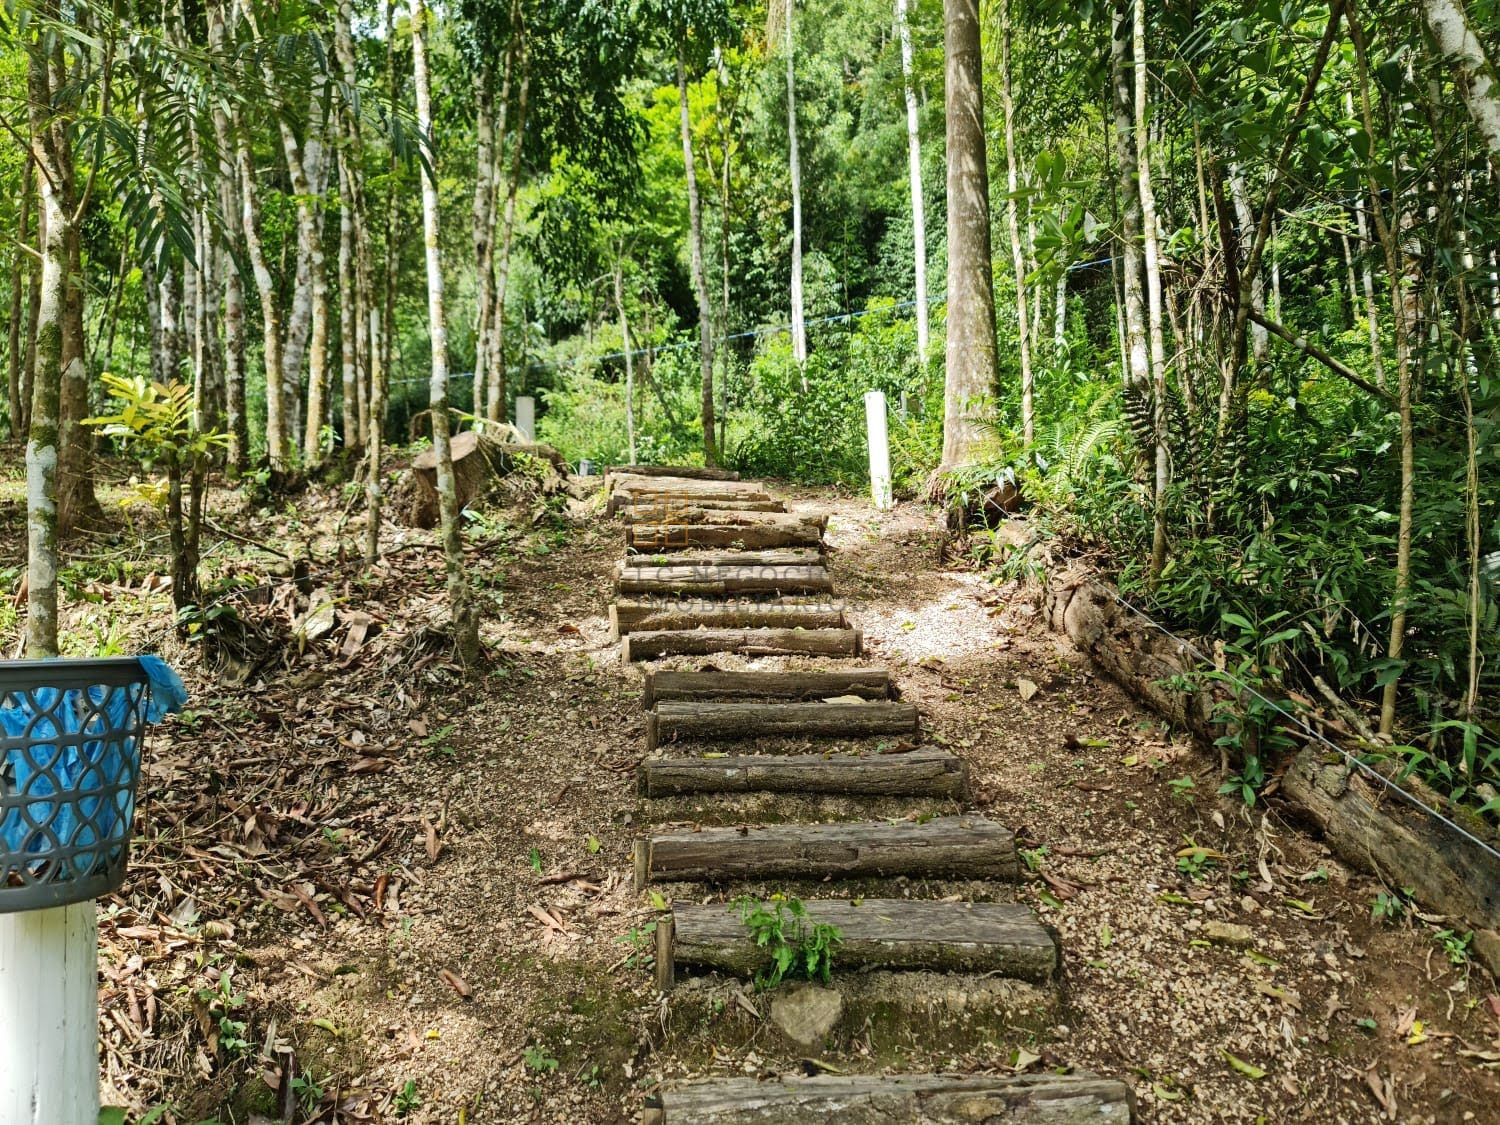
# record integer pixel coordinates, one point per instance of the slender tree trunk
(484, 222)
(236, 422)
(465, 620)
(914, 174)
(350, 326)
(700, 276)
(1137, 354)
(1259, 339)
(1012, 206)
(381, 320)
(799, 326)
(1473, 73)
(1367, 278)
(20, 271)
(355, 347)
(629, 357)
(498, 407)
(1400, 306)
(265, 284)
(1152, 265)
(971, 345)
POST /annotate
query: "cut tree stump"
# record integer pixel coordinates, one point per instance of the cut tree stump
(723, 581)
(928, 1099)
(919, 773)
(476, 461)
(631, 615)
(744, 536)
(656, 643)
(1004, 938)
(784, 556)
(686, 472)
(680, 719)
(872, 683)
(950, 847)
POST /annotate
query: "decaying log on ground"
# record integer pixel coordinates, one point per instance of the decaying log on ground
(684, 719)
(784, 556)
(723, 581)
(633, 614)
(918, 773)
(745, 537)
(653, 644)
(948, 847)
(871, 683)
(932, 1099)
(953, 937)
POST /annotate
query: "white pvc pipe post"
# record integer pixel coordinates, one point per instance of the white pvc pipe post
(526, 416)
(49, 1016)
(880, 449)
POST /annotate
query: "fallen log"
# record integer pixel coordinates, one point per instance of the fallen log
(784, 556)
(932, 1099)
(873, 683)
(687, 472)
(750, 536)
(631, 614)
(920, 773)
(949, 847)
(1004, 938)
(723, 581)
(657, 643)
(676, 720)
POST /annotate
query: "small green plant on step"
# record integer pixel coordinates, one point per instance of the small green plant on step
(1390, 907)
(798, 946)
(408, 1098)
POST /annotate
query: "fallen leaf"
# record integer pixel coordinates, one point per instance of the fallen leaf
(455, 982)
(434, 845)
(1417, 1034)
(1249, 1070)
(1406, 1020)
(1021, 1059)
(1027, 689)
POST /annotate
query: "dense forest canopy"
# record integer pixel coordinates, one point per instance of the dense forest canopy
(1242, 258)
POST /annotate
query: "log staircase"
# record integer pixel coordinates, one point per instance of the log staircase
(717, 565)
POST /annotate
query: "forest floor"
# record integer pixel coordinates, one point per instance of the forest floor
(369, 884)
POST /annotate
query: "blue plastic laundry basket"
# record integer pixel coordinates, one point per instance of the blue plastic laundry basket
(70, 757)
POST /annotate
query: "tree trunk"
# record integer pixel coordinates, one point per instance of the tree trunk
(625, 346)
(970, 381)
(1018, 258)
(484, 220)
(465, 620)
(1152, 265)
(350, 324)
(497, 408)
(19, 273)
(265, 284)
(1473, 73)
(236, 423)
(700, 277)
(799, 327)
(914, 174)
(1240, 194)
(1138, 356)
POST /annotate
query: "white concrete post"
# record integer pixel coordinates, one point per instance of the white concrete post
(526, 416)
(49, 1016)
(880, 449)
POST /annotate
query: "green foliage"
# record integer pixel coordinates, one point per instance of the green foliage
(156, 421)
(798, 947)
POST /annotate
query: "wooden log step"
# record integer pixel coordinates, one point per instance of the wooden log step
(744, 536)
(655, 643)
(679, 719)
(903, 934)
(919, 773)
(750, 500)
(932, 1099)
(867, 683)
(686, 472)
(630, 615)
(665, 509)
(723, 581)
(656, 514)
(642, 482)
(784, 556)
(949, 847)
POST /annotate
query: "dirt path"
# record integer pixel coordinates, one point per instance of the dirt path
(500, 970)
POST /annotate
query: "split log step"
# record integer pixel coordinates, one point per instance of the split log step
(679, 719)
(655, 643)
(919, 773)
(950, 847)
(872, 683)
(932, 1099)
(642, 505)
(641, 482)
(723, 581)
(690, 514)
(1003, 938)
(687, 472)
(749, 537)
(630, 615)
(785, 556)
